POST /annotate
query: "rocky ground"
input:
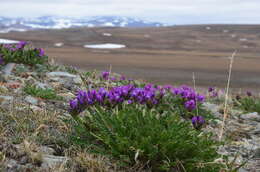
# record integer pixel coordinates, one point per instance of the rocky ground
(34, 130)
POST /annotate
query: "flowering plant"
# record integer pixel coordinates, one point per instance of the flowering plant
(21, 53)
(183, 99)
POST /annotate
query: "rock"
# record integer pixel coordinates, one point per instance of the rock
(257, 153)
(42, 85)
(77, 80)
(251, 116)
(213, 108)
(36, 109)
(8, 68)
(31, 100)
(3, 89)
(50, 161)
(61, 74)
(257, 130)
(6, 100)
(47, 150)
(242, 170)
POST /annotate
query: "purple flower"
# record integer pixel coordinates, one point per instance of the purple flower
(214, 94)
(130, 102)
(168, 87)
(249, 93)
(41, 52)
(190, 105)
(1, 59)
(105, 75)
(210, 89)
(200, 98)
(122, 78)
(197, 121)
(21, 45)
(73, 104)
(113, 78)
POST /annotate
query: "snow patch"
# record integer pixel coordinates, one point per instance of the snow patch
(225, 31)
(233, 35)
(12, 29)
(8, 41)
(208, 28)
(59, 44)
(105, 46)
(147, 36)
(107, 34)
(109, 24)
(243, 39)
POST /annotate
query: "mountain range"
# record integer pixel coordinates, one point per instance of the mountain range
(8, 24)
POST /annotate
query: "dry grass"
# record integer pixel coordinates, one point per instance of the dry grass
(23, 131)
(227, 96)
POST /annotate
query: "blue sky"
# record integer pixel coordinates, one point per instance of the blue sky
(167, 11)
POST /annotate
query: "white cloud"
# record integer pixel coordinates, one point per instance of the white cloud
(171, 11)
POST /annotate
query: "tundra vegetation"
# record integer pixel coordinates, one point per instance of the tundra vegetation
(55, 117)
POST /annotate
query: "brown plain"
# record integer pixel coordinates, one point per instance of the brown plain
(166, 55)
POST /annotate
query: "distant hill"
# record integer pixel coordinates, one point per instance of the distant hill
(53, 22)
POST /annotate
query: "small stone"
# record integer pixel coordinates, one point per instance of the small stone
(36, 109)
(9, 68)
(77, 80)
(6, 99)
(257, 153)
(213, 108)
(47, 150)
(42, 85)
(31, 100)
(3, 89)
(251, 116)
(242, 170)
(61, 74)
(50, 161)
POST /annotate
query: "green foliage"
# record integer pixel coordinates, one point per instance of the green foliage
(248, 104)
(42, 93)
(137, 135)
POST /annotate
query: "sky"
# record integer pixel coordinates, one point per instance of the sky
(166, 11)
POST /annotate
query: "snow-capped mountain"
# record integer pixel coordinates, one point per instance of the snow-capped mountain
(53, 22)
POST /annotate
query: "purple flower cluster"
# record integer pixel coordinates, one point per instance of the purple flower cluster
(212, 92)
(105, 75)
(15, 47)
(40, 51)
(189, 96)
(149, 95)
(198, 121)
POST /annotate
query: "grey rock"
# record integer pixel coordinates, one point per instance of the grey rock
(257, 153)
(31, 100)
(61, 74)
(213, 108)
(251, 116)
(42, 85)
(50, 161)
(47, 150)
(6, 100)
(242, 170)
(77, 80)
(8, 68)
